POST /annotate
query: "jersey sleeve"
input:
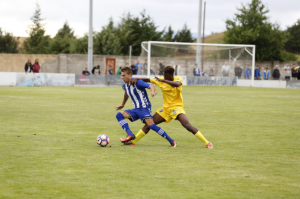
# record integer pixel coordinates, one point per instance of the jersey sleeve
(141, 84)
(178, 79)
(154, 81)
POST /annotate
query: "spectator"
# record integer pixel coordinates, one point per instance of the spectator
(86, 72)
(145, 67)
(211, 73)
(196, 70)
(110, 70)
(96, 70)
(139, 67)
(266, 74)
(294, 72)
(119, 71)
(298, 74)
(133, 68)
(225, 69)
(287, 71)
(257, 73)
(36, 66)
(203, 73)
(28, 66)
(247, 73)
(161, 69)
(276, 73)
(152, 72)
(238, 71)
(177, 69)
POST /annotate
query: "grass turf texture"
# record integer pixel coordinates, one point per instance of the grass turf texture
(48, 145)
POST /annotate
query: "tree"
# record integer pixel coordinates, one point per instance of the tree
(251, 26)
(184, 35)
(80, 45)
(38, 42)
(8, 44)
(169, 35)
(65, 31)
(293, 43)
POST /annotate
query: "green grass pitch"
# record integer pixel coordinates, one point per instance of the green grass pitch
(48, 145)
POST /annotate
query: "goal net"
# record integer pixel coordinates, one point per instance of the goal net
(215, 60)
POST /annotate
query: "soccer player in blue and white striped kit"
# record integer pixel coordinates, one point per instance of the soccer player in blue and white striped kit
(142, 106)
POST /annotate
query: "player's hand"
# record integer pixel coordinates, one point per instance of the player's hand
(153, 94)
(119, 107)
(134, 81)
(158, 79)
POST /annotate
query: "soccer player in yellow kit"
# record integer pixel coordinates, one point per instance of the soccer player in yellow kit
(172, 108)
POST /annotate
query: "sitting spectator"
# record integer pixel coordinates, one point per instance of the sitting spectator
(110, 70)
(36, 66)
(287, 71)
(196, 70)
(119, 71)
(133, 68)
(86, 72)
(28, 66)
(225, 69)
(276, 73)
(238, 71)
(257, 73)
(294, 72)
(96, 70)
(152, 72)
(177, 68)
(267, 74)
(161, 69)
(247, 73)
(211, 73)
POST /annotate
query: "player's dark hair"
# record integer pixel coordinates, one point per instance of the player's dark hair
(127, 70)
(169, 70)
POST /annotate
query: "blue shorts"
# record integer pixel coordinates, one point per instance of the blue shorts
(139, 113)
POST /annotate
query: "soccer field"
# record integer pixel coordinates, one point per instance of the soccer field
(48, 145)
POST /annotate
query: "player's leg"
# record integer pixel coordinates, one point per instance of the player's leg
(157, 119)
(123, 123)
(182, 118)
(160, 131)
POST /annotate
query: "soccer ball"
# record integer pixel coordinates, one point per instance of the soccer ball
(103, 140)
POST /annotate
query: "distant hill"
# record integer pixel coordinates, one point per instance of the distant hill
(215, 38)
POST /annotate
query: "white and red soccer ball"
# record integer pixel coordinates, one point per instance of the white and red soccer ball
(103, 140)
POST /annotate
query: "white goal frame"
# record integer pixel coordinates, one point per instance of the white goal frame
(201, 44)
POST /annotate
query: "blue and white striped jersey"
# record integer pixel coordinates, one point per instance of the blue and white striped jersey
(138, 94)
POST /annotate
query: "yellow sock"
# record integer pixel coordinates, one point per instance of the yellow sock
(201, 137)
(138, 137)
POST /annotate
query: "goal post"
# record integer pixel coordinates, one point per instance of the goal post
(221, 60)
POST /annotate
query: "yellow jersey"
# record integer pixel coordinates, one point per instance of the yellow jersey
(172, 95)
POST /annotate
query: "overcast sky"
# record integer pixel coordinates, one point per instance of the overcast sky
(15, 14)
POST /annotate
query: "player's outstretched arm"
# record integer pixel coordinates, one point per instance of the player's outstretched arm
(152, 89)
(172, 83)
(123, 103)
(134, 81)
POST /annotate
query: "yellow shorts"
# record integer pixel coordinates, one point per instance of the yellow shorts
(170, 113)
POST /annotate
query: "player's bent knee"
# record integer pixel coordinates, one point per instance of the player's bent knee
(119, 116)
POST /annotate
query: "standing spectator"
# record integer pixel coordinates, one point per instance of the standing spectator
(294, 71)
(247, 73)
(110, 70)
(298, 74)
(211, 73)
(238, 71)
(133, 68)
(257, 73)
(152, 72)
(36, 66)
(225, 69)
(196, 70)
(139, 67)
(267, 74)
(28, 66)
(145, 67)
(177, 69)
(119, 71)
(287, 71)
(276, 73)
(96, 70)
(86, 72)
(161, 69)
